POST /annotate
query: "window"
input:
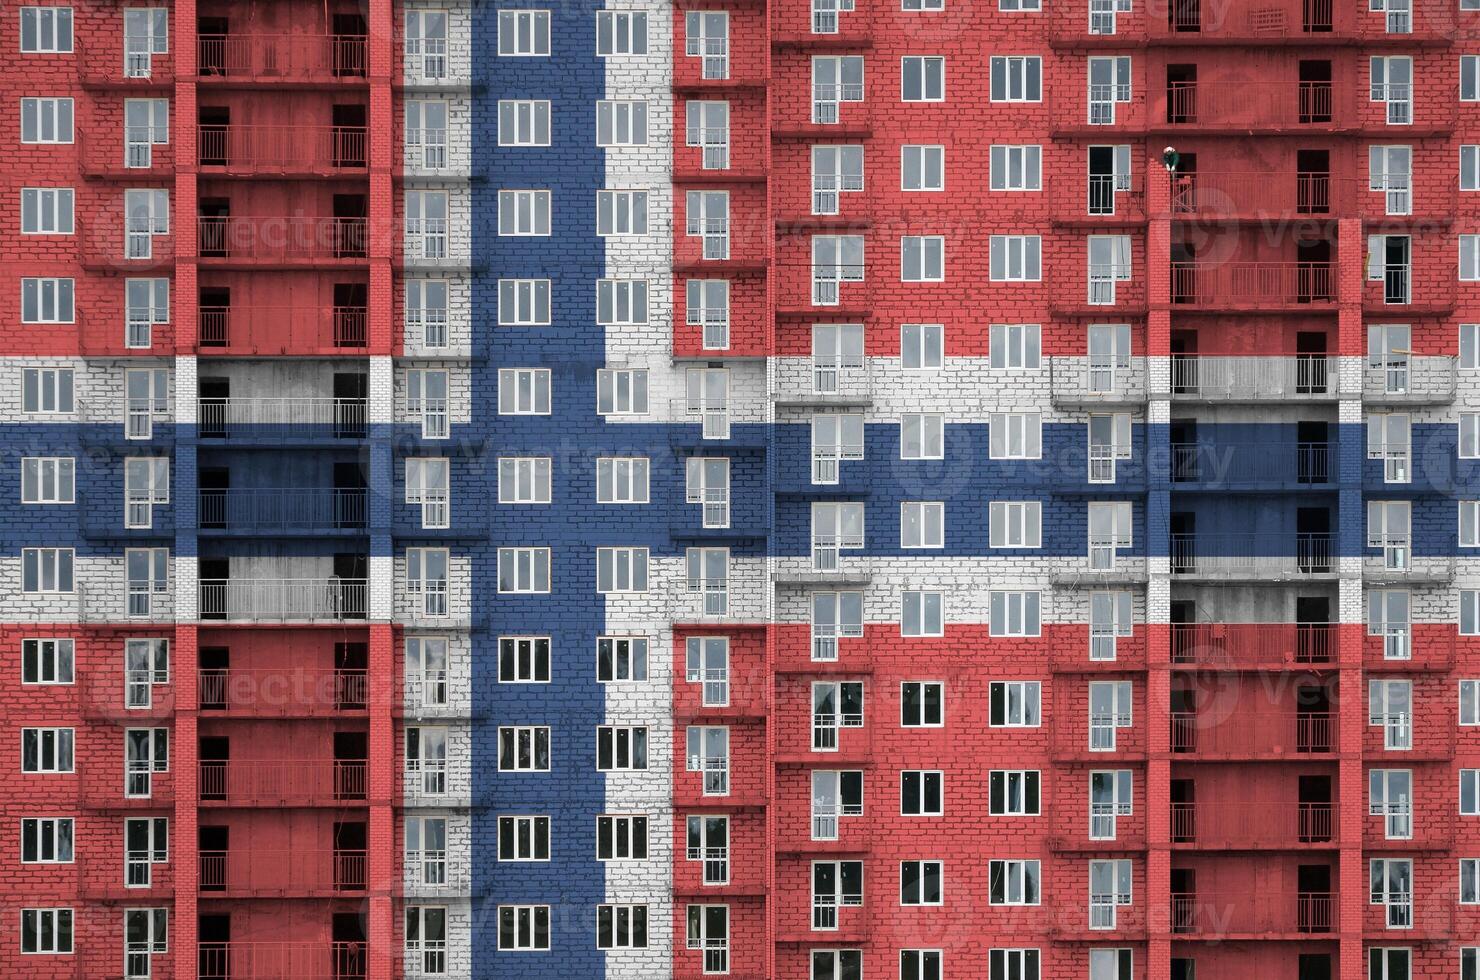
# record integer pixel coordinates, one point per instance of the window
(426, 131)
(523, 927)
(1109, 888)
(524, 391)
(621, 123)
(1013, 792)
(621, 213)
(622, 392)
(523, 33)
(707, 751)
(834, 706)
(1014, 704)
(707, 37)
(146, 214)
(836, 527)
(621, 570)
(146, 842)
(1390, 170)
(1392, 887)
(708, 219)
(46, 749)
(147, 303)
(426, 671)
(1016, 78)
(1014, 964)
(922, 524)
(622, 480)
(1469, 78)
(522, 748)
(524, 570)
(1015, 258)
(426, 225)
(521, 479)
(1109, 263)
(1392, 83)
(1390, 796)
(1469, 258)
(1110, 796)
(146, 32)
(46, 570)
(47, 661)
(621, 32)
(426, 939)
(1109, 441)
(836, 170)
(834, 884)
(46, 931)
(426, 44)
(708, 929)
(920, 964)
(1469, 956)
(46, 211)
(428, 573)
(46, 120)
(1014, 613)
(426, 311)
(1016, 523)
(1110, 617)
(922, 4)
(523, 213)
(707, 305)
(1390, 439)
(1469, 702)
(1109, 532)
(1469, 792)
(46, 300)
(1469, 435)
(1389, 964)
(921, 436)
(621, 927)
(922, 613)
(519, 839)
(834, 615)
(709, 841)
(1469, 523)
(835, 80)
(922, 704)
(46, 30)
(835, 794)
(1389, 529)
(621, 301)
(834, 438)
(146, 665)
(46, 840)
(524, 122)
(1469, 167)
(146, 124)
(922, 168)
(47, 479)
(1469, 614)
(1109, 83)
(620, 747)
(146, 751)
(922, 346)
(427, 486)
(921, 792)
(707, 126)
(1111, 964)
(146, 483)
(1469, 881)
(1013, 882)
(922, 79)
(621, 838)
(922, 258)
(707, 576)
(1109, 711)
(427, 402)
(47, 390)
(1015, 435)
(1015, 346)
(844, 964)
(836, 259)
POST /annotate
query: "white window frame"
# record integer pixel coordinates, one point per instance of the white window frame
(927, 163)
(529, 657)
(523, 122)
(527, 33)
(522, 479)
(523, 213)
(528, 568)
(51, 121)
(48, 480)
(622, 479)
(1022, 704)
(48, 660)
(49, 30)
(524, 391)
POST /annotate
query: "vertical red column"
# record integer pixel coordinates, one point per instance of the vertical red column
(384, 869)
(184, 847)
(383, 156)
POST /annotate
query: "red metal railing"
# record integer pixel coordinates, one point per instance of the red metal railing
(1256, 285)
(281, 961)
(240, 781)
(1212, 914)
(1253, 733)
(290, 239)
(1274, 824)
(1239, 104)
(282, 148)
(1232, 644)
(282, 329)
(282, 871)
(288, 690)
(282, 57)
(1231, 193)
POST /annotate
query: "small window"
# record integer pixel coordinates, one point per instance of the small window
(621, 213)
(1013, 792)
(524, 838)
(1016, 524)
(1015, 435)
(922, 346)
(46, 211)
(1015, 704)
(523, 927)
(621, 659)
(920, 964)
(922, 524)
(622, 838)
(521, 748)
(1015, 258)
(922, 704)
(920, 883)
(1013, 882)
(622, 480)
(524, 391)
(46, 840)
(622, 392)
(523, 479)
(48, 750)
(46, 570)
(46, 120)
(621, 570)
(46, 30)
(922, 168)
(1013, 964)
(47, 661)
(1469, 78)
(46, 390)
(1017, 168)
(524, 570)
(523, 302)
(1015, 346)
(47, 479)
(921, 436)
(1017, 78)
(46, 931)
(524, 659)
(922, 613)
(523, 213)
(46, 300)
(1469, 702)
(923, 79)
(523, 33)
(621, 302)
(621, 33)
(621, 747)
(524, 122)
(1469, 166)
(621, 123)
(922, 258)
(921, 793)
(621, 926)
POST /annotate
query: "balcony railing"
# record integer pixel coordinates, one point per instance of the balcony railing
(1417, 378)
(282, 149)
(1266, 19)
(289, 509)
(1233, 193)
(283, 599)
(1252, 556)
(282, 872)
(282, 57)
(1253, 824)
(1087, 380)
(1249, 105)
(1253, 644)
(309, 781)
(1252, 285)
(282, 330)
(1234, 464)
(282, 419)
(282, 961)
(1298, 378)
(1212, 915)
(283, 690)
(1247, 733)
(269, 239)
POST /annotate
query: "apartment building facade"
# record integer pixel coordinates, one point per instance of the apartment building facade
(817, 491)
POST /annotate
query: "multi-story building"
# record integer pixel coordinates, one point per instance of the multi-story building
(811, 491)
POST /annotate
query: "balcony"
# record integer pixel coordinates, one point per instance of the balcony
(282, 961)
(333, 330)
(334, 782)
(1398, 564)
(104, 244)
(274, 873)
(1232, 194)
(289, 690)
(282, 58)
(1253, 734)
(282, 420)
(281, 241)
(284, 600)
(283, 511)
(1102, 567)
(1213, 826)
(1303, 377)
(1232, 646)
(1210, 466)
(1245, 106)
(1413, 380)
(1211, 916)
(824, 382)
(281, 150)
(1254, 556)
(1080, 381)
(1269, 21)
(1222, 286)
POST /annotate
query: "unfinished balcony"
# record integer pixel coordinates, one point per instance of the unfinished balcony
(1251, 195)
(841, 381)
(1252, 557)
(1409, 380)
(282, 59)
(1270, 466)
(280, 421)
(1250, 735)
(1252, 646)
(253, 873)
(297, 692)
(283, 600)
(283, 330)
(307, 782)
(1108, 380)
(1262, 22)
(281, 241)
(1241, 106)
(1265, 915)
(281, 151)
(287, 511)
(1390, 560)
(1297, 378)
(1256, 286)
(282, 960)
(1253, 825)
